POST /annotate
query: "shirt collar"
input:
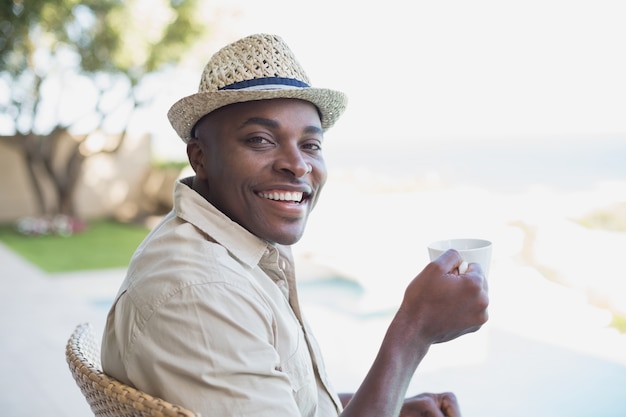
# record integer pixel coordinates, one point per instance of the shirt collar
(195, 209)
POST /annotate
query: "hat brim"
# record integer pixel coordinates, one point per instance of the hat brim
(186, 112)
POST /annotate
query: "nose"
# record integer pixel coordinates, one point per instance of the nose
(291, 159)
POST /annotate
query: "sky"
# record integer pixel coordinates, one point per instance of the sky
(484, 69)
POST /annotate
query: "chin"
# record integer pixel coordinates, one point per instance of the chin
(287, 238)
(282, 233)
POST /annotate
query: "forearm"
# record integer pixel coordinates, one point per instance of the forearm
(438, 305)
(383, 391)
(345, 398)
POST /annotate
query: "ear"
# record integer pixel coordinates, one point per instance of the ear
(195, 154)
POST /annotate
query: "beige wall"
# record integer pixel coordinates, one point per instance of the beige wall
(109, 184)
(16, 200)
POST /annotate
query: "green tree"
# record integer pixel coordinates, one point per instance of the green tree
(111, 49)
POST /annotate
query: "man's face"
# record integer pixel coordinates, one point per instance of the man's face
(261, 164)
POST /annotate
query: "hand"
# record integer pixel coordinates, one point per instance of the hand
(431, 405)
(441, 305)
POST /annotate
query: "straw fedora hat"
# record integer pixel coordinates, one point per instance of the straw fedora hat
(257, 67)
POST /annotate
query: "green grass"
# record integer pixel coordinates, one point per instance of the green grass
(104, 244)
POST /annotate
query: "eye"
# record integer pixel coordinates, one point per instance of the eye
(313, 146)
(259, 141)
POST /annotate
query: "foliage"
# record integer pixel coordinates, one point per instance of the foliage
(619, 322)
(130, 38)
(104, 244)
(59, 225)
(71, 68)
(176, 165)
(611, 218)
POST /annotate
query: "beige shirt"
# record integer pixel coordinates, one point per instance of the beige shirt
(208, 318)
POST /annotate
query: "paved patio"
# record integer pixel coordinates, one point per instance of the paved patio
(38, 315)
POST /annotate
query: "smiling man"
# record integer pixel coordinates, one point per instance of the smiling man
(208, 316)
(261, 164)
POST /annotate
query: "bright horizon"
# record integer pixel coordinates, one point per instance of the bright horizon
(478, 70)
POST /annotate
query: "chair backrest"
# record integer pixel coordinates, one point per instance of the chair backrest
(107, 396)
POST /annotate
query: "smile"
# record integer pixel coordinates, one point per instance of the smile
(294, 196)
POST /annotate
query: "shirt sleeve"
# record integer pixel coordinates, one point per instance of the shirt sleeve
(211, 347)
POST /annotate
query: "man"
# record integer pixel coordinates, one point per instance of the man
(208, 316)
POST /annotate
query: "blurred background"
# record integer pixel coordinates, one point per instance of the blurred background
(503, 120)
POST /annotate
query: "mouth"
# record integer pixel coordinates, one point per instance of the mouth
(295, 197)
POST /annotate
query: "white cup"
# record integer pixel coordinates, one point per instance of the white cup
(471, 251)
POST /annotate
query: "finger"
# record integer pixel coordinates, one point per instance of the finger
(449, 260)
(476, 269)
(449, 405)
(423, 405)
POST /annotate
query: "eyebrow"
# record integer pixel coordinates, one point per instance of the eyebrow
(273, 124)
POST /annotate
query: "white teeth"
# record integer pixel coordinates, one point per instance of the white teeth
(287, 196)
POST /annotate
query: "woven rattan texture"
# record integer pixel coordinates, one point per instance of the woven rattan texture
(107, 396)
(253, 57)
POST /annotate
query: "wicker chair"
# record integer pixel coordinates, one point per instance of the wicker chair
(107, 396)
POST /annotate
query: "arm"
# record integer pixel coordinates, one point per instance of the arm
(439, 305)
